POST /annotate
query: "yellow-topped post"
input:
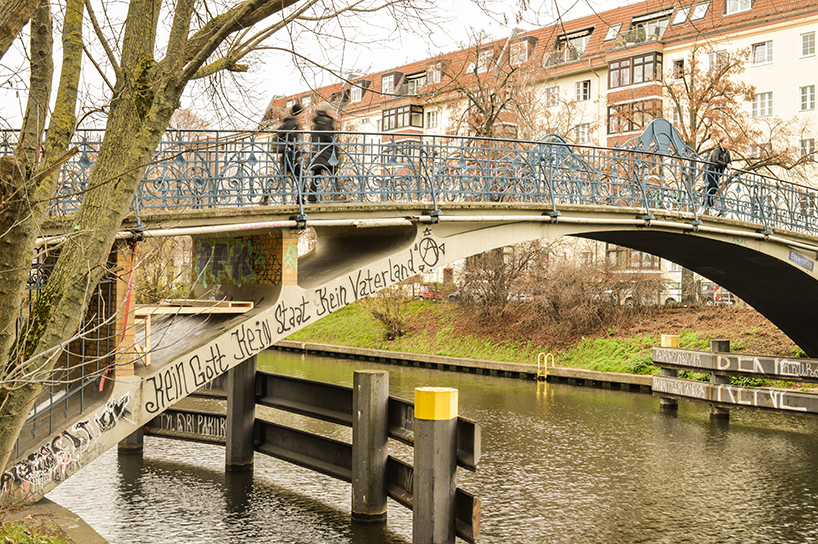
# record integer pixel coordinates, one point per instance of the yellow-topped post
(667, 403)
(433, 513)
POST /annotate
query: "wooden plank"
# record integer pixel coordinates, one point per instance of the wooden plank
(194, 307)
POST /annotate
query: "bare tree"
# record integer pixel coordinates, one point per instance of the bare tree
(148, 58)
(497, 92)
(707, 99)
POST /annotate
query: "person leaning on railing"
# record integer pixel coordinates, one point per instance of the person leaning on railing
(322, 141)
(719, 163)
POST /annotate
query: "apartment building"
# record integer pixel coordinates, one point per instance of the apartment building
(608, 69)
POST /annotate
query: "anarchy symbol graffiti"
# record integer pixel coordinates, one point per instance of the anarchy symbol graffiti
(430, 251)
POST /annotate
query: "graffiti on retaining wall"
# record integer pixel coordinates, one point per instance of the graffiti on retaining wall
(57, 459)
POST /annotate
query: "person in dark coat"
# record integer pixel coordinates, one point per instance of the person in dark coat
(719, 163)
(288, 142)
(323, 148)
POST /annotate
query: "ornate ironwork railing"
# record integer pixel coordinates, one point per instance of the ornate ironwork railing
(206, 169)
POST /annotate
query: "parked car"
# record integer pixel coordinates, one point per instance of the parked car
(429, 292)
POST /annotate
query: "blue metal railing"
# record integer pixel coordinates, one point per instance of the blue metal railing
(205, 169)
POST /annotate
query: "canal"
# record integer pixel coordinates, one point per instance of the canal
(560, 464)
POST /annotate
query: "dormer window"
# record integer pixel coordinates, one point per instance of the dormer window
(389, 82)
(357, 90)
(521, 50)
(736, 6)
(569, 47)
(414, 82)
(433, 73)
(648, 27)
(484, 60)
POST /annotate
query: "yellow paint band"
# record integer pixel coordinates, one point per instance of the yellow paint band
(670, 340)
(435, 403)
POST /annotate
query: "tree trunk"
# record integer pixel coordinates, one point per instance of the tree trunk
(688, 288)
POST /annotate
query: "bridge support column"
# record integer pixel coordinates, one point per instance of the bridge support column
(370, 449)
(241, 414)
(719, 346)
(433, 512)
(134, 442)
(667, 403)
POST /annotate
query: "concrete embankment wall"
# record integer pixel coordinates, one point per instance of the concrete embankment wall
(561, 374)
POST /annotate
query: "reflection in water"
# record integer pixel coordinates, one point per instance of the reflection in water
(560, 464)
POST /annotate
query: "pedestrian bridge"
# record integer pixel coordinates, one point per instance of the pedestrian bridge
(399, 205)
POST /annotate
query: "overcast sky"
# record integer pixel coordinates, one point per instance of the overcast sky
(274, 73)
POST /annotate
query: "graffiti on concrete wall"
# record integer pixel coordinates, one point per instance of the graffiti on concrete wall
(198, 424)
(57, 459)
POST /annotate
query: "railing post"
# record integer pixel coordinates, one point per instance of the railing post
(667, 403)
(433, 516)
(241, 406)
(370, 450)
(719, 346)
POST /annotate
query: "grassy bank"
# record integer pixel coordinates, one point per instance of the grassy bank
(444, 328)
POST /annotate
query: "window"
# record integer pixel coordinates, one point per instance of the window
(613, 32)
(619, 73)
(433, 73)
(762, 53)
(808, 149)
(647, 67)
(582, 133)
(633, 116)
(699, 11)
(357, 90)
(519, 52)
(808, 44)
(431, 119)
(484, 59)
(735, 6)
(388, 83)
(569, 47)
(552, 97)
(306, 101)
(414, 82)
(807, 98)
(405, 116)
(583, 90)
(761, 151)
(763, 104)
(718, 60)
(678, 70)
(648, 27)
(681, 15)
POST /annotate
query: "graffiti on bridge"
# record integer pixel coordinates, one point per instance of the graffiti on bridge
(62, 456)
(198, 424)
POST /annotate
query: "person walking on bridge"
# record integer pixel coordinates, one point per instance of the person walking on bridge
(288, 145)
(323, 148)
(719, 163)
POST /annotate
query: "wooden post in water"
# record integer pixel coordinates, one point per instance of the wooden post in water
(719, 346)
(667, 403)
(241, 414)
(433, 509)
(370, 449)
